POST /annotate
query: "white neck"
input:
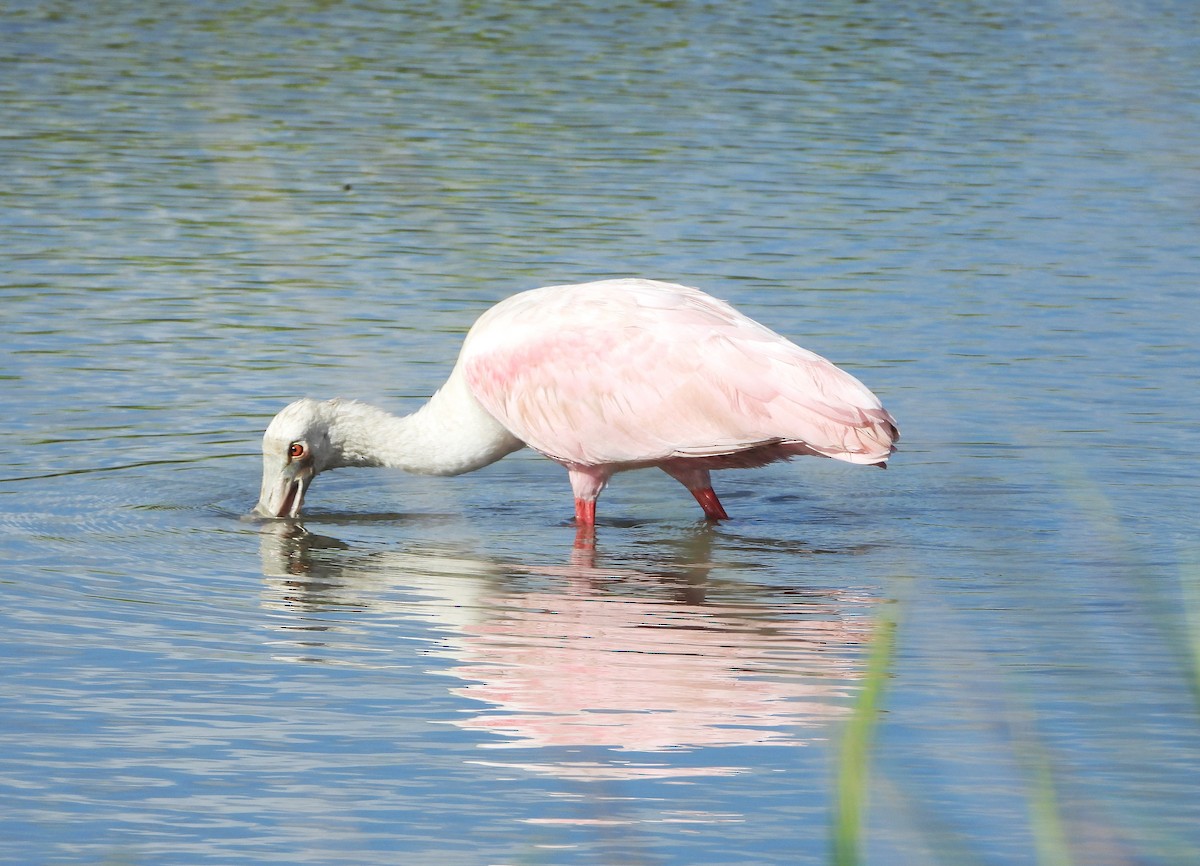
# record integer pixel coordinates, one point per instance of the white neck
(449, 435)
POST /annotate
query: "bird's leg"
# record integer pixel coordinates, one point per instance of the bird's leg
(585, 534)
(586, 483)
(585, 512)
(699, 484)
(713, 510)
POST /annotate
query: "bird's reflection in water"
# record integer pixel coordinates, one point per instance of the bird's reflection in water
(669, 655)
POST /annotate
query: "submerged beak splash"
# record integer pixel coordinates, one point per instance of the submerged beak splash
(283, 488)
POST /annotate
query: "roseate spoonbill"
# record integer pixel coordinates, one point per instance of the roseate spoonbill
(600, 377)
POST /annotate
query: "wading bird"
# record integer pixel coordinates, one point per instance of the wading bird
(600, 377)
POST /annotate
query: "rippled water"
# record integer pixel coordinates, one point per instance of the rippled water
(986, 211)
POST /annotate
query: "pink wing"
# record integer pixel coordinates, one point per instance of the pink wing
(635, 372)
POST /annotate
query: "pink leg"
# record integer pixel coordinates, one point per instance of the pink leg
(698, 483)
(713, 510)
(585, 527)
(585, 512)
(586, 483)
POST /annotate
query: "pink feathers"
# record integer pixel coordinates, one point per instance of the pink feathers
(624, 374)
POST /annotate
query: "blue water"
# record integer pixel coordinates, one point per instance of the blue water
(987, 212)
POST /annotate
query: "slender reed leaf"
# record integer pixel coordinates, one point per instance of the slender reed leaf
(852, 783)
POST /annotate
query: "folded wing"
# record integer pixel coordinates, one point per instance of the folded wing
(631, 372)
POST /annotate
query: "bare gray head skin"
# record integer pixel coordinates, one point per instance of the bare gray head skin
(295, 448)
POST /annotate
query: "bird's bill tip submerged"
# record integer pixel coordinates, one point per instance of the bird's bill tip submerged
(283, 489)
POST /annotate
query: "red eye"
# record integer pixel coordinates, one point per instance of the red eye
(295, 450)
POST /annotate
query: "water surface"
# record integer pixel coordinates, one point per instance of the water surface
(985, 211)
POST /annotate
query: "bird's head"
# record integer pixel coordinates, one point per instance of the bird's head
(295, 448)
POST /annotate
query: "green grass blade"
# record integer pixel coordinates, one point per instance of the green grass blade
(852, 783)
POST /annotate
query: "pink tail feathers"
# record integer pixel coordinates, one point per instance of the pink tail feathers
(870, 443)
